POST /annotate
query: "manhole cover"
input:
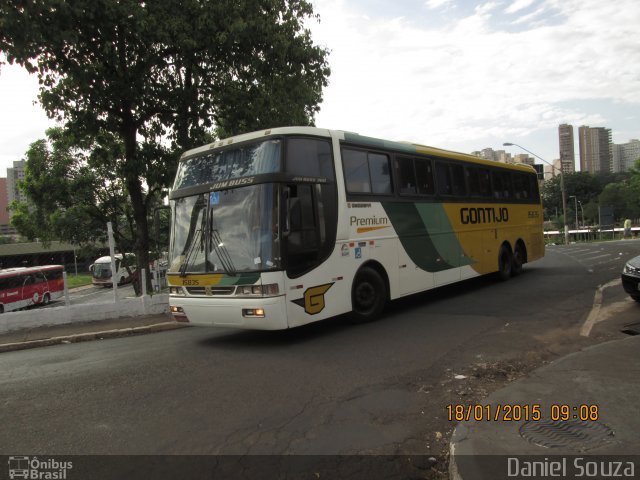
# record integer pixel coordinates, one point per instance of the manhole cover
(576, 434)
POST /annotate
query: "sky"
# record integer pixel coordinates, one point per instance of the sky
(456, 74)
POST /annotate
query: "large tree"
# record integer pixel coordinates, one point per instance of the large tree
(157, 76)
(72, 193)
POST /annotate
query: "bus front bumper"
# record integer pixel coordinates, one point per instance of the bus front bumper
(261, 313)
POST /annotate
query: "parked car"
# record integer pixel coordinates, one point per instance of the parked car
(631, 278)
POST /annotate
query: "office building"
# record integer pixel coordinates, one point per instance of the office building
(15, 175)
(495, 155)
(567, 149)
(595, 149)
(523, 158)
(625, 155)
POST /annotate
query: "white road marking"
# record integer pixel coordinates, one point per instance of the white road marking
(597, 257)
(595, 309)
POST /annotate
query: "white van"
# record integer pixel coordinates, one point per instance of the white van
(101, 270)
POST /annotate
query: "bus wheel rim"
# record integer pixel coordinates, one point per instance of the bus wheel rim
(365, 295)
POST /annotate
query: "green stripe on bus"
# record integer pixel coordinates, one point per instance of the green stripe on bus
(442, 234)
(426, 235)
(379, 143)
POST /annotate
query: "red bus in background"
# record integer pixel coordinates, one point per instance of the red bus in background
(23, 287)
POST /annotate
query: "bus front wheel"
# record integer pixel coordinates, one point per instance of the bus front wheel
(505, 263)
(368, 295)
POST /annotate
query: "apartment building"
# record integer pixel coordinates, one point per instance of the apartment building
(625, 155)
(595, 149)
(567, 149)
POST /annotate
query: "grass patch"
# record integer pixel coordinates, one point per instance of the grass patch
(78, 280)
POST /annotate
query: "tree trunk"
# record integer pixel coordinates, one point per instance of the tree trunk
(142, 238)
(134, 187)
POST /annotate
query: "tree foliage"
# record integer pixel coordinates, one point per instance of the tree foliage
(154, 78)
(619, 190)
(73, 193)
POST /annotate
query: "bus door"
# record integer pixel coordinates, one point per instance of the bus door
(33, 288)
(308, 241)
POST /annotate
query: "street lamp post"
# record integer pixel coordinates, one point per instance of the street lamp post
(575, 208)
(562, 189)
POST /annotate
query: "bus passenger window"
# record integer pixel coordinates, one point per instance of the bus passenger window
(310, 157)
(424, 174)
(479, 182)
(380, 173)
(521, 186)
(406, 175)
(457, 180)
(533, 187)
(356, 171)
(366, 172)
(444, 179)
(502, 188)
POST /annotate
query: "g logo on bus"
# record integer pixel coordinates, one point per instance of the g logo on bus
(313, 299)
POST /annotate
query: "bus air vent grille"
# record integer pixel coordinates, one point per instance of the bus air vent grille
(208, 291)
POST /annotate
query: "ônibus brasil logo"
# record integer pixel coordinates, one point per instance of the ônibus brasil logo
(33, 468)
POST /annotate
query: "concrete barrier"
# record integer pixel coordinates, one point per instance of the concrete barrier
(126, 307)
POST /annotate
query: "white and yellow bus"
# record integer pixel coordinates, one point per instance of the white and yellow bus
(283, 227)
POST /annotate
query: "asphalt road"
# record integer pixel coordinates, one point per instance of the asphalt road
(91, 294)
(95, 294)
(328, 388)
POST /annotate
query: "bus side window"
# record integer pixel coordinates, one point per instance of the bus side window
(406, 175)
(380, 173)
(502, 188)
(356, 169)
(444, 179)
(424, 175)
(310, 157)
(457, 180)
(533, 187)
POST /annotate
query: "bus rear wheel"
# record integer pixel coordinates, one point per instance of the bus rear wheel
(368, 295)
(505, 263)
(519, 259)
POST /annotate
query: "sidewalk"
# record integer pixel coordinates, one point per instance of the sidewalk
(604, 379)
(82, 331)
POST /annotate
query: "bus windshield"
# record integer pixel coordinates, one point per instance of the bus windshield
(226, 231)
(102, 270)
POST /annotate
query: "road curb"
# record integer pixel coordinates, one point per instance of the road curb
(84, 337)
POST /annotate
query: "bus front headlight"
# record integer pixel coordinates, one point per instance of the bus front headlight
(270, 289)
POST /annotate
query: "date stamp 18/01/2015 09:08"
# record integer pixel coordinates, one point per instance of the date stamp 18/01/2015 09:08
(521, 412)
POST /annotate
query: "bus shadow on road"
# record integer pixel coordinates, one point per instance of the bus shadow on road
(338, 326)
(279, 338)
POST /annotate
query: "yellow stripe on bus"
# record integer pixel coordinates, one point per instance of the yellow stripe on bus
(194, 280)
(369, 229)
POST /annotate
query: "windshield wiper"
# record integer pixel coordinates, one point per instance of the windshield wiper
(196, 238)
(222, 253)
